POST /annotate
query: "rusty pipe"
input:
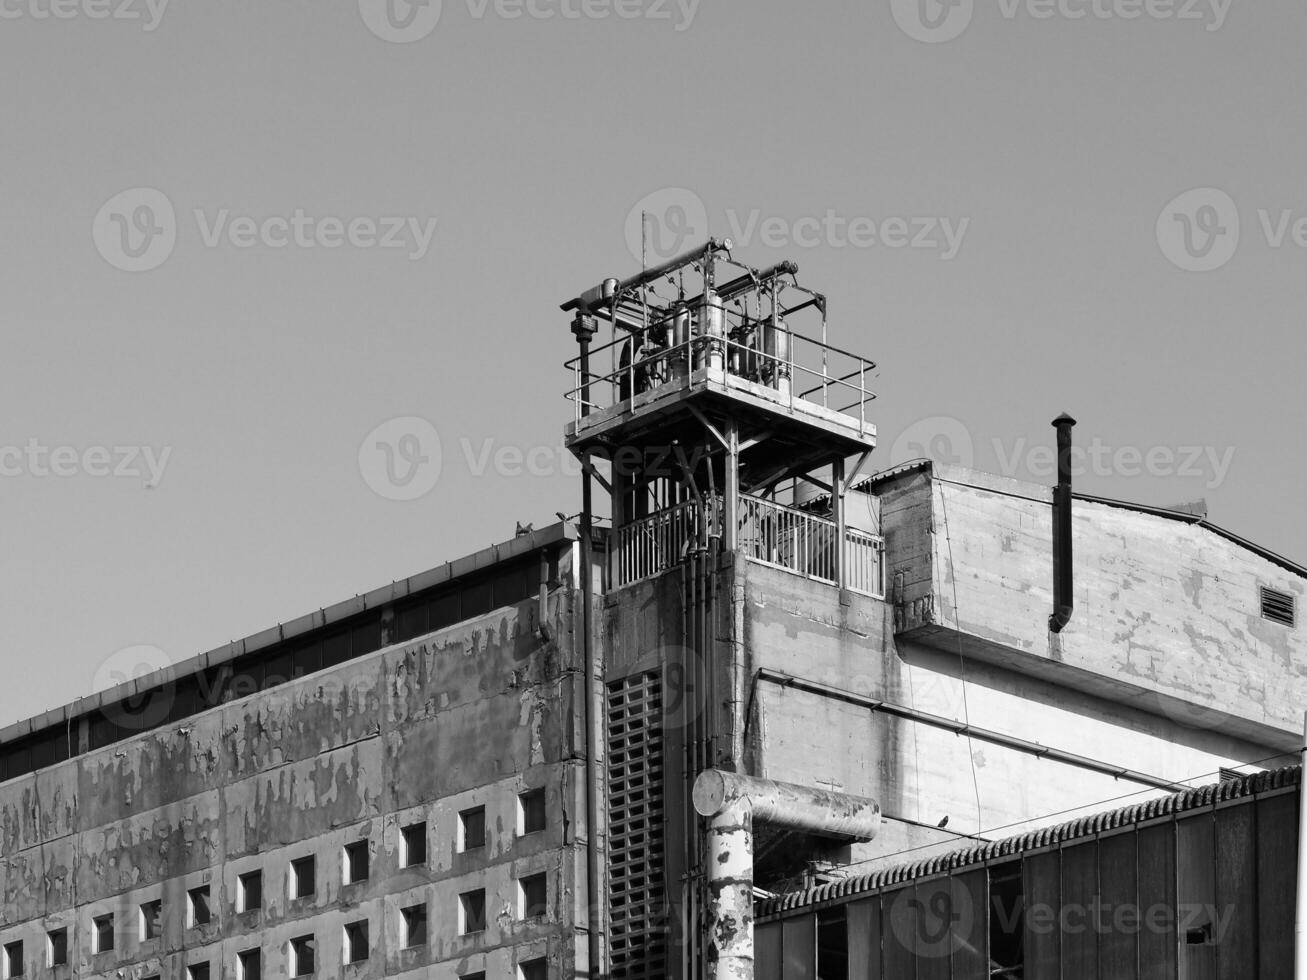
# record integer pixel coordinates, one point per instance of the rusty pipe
(732, 802)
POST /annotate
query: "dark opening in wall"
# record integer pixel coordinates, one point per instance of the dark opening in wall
(356, 861)
(832, 944)
(199, 912)
(414, 839)
(57, 947)
(302, 877)
(1006, 921)
(472, 828)
(249, 891)
(415, 925)
(356, 941)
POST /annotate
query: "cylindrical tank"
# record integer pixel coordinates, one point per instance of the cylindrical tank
(776, 347)
(712, 327)
(682, 328)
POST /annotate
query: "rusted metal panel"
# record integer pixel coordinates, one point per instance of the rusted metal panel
(1157, 942)
(1043, 890)
(799, 948)
(1236, 893)
(1079, 896)
(970, 952)
(1277, 858)
(1195, 896)
(767, 962)
(1118, 873)
(864, 939)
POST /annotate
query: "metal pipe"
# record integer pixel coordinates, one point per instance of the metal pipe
(603, 294)
(1300, 916)
(1063, 580)
(732, 802)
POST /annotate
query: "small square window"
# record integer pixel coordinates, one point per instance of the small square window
(532, 897)
(472, 912)
(415, 925)
(302, 872)
(356, 941)
(250, 964)
(303, 956)
(197, 971)
(356, 861)
(250, 890)
(531, 812)
(56, 947)
(151, 919)
(198, 912)
(472, 829)
(14, 959)
(533, 970)
(414, 844)
(102, 928)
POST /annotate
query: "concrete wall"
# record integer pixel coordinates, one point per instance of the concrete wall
(472, 715)
(1167, 613)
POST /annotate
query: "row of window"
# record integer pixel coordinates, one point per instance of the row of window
(302, 954)
(532, 903)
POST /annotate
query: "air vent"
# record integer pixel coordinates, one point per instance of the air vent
(1279, 607)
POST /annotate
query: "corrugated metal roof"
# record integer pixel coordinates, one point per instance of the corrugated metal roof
(1194, 799)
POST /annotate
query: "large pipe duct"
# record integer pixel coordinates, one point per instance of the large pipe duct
(732, 803)
(1063, 580)
(601, 296)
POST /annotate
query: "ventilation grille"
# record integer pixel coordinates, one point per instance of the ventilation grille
(1279, 607)
(635, 828)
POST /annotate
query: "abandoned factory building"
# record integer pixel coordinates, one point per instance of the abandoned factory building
(763, 709)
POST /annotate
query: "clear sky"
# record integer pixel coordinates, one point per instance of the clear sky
(1049, 257)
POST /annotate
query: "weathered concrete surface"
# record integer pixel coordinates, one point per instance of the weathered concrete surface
(469, 716)
(1167, 613)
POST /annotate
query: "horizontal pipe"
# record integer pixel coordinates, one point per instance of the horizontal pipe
(815, 811)
(971, 731)
(598, 297)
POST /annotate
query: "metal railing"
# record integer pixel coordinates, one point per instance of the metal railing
(769, 533)
(808, 371)
(788, 538)
(653, 544)
(864, 562)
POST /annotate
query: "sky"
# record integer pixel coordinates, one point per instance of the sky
(281, 281)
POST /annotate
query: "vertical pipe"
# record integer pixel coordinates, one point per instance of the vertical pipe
(837, 499)
(584, 328)
(1063, 581)
(1300, 914)
(730, 894)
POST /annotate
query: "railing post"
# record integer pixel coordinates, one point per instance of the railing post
(730, 506)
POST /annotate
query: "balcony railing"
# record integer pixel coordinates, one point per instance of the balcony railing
(653, 544)
(769, 533)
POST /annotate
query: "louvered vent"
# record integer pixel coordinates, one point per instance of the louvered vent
(635, 828)
(1279, 607)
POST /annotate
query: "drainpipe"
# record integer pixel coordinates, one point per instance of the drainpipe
(1063, 582)
(1300, 916)
(732, 803)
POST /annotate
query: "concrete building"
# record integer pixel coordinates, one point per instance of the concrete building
(491, 768)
